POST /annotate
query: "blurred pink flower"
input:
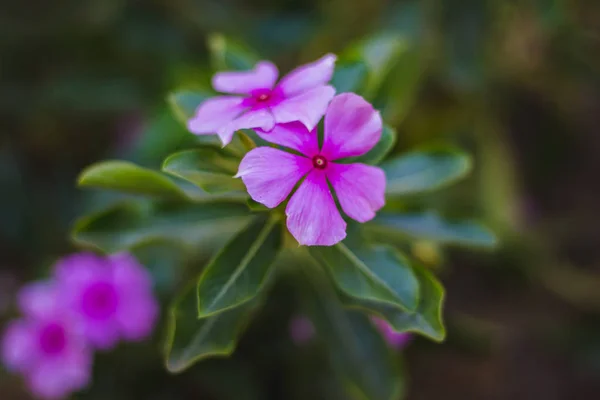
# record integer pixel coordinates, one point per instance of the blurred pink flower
(302, 330)
(397, 340)
(302, 95)
(110, 297)
(46, 346)
(352, 128)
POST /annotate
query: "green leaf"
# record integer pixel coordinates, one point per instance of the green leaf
(430, 226)
(190, 340)
(129, 178)
(349, 76)
(380, 52)
(256, 206)
(424, 171)
(227, 54)
(374, 273)
(239, 271)
(381, 149)
(357, 351)
(209, 168)
(426, 320)
(127, 224)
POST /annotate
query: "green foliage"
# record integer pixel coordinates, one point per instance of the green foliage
(129, 178)
(357, 351)
(430, 226)
(374, 273)
(240, 269)
(340, 287)
(209, 168)
(425, 171)
(425, 320)
(190, 339)
(127, 224)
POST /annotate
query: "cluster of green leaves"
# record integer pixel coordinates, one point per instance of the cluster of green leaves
(195, 202)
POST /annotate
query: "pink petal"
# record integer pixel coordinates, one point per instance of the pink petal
(38, 299)
(313, 218)
(352, 127)
(360, 189)
(255, 119)
(263, 76)
(270, 174)
(394, 339)
(308, 76)
(215, 113)
(308, 107)
(18, 346)
(137, 317)
(293, 135)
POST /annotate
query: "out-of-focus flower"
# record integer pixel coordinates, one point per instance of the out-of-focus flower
(352, 128)
(397, 340)
(110, 297)
(257, 102)
(46, 346)
(302, 330)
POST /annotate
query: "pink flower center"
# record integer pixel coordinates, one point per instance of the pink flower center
(100, 300)
(53, 339)
(262, 98)
(319, 162)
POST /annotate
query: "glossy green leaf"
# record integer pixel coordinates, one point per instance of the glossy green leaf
(381, 149)
(375, 273)
(239, 271)
(127, 224)
(424, 171)
(430, 226)
(357, 351)
(227, 54)
(209, 168)
(426, 320)
(129, 178)
(349, 76)
(190, 340)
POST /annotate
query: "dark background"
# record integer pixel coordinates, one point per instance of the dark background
(515, 82)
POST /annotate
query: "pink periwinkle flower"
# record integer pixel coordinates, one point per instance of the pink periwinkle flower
(46, 345)
(352, 128)
(397, 340)
(256, 101)
(111, 297)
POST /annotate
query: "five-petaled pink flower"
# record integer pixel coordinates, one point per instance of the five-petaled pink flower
(302, 95)
(46, 345)
(352, 128)
(111, 297)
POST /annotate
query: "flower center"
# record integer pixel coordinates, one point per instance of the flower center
(53, 338)
(263, 97)
(319, 162)
(100, 300)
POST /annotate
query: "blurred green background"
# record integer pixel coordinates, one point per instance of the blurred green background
(516, 83)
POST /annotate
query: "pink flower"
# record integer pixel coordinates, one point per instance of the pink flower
(301, 329)
(46, 346)
(302, 95)
(395, 339)
(352, 127)
(110, 297)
